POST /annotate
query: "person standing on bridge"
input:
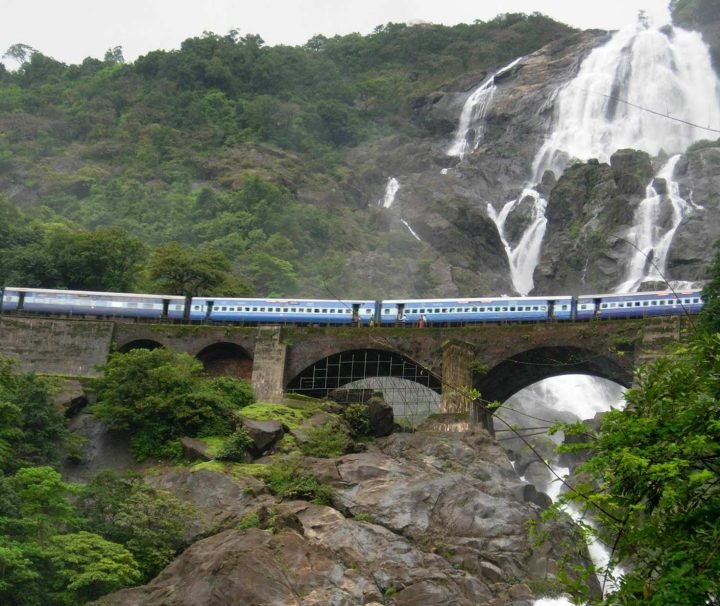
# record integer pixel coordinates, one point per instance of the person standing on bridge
(421, 321)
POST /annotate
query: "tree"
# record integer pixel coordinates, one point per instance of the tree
(87, 566)
(150, 523)
(160, 396)
(181, 271)
(32, 430)
(106, 259)
(653, 480)
(710, 316)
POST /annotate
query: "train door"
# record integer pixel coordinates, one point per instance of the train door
(356, 314)
(400, 317)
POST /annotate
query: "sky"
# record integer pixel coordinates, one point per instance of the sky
(71, 30)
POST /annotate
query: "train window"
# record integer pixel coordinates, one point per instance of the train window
(262, 309)
(223, 309)
(696, 300)
(474, 309)
(422, 311)
(603, 305)
(637, 303)
(653, 302)
(543, 308)
(686, 300)
(645, 303)
(247, 309)
(254, 308)
(512, 309)
(317, 310)
(564, 307)
(132, 305)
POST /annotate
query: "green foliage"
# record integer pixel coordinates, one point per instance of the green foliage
(160, 396)
(292, 416)
(236, 446)
(150, 523)
(211, 146)
(710, 316)
(32, 431)
(181, 271)
(357, 417)
(328, 440)
(653, 480)
(288, 481)
(86, 566)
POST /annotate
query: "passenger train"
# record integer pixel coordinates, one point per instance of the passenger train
(353, 312)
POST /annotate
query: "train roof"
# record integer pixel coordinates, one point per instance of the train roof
(470, 300)
(656, 293)
(86, 293)
(288, 300)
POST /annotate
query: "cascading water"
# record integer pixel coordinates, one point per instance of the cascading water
(473, 114)
(524, 257)
(391, 189)
(651, 237)
(646, 89)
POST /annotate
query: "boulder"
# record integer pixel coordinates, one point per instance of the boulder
(264, 434)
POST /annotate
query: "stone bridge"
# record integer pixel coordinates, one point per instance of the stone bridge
(495, 360)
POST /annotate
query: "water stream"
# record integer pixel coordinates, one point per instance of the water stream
(656, 220)
(471, 125)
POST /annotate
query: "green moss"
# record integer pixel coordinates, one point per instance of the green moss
(292, 416)
(214, 444)
(235, 470)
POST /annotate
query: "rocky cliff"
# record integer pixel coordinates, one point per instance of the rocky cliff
(425, 518)
(440, 211)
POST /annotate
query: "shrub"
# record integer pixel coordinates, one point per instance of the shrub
(326, 441)
(357, 417)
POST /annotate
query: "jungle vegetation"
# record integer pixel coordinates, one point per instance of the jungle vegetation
(216, 147)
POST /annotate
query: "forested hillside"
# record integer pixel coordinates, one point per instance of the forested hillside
(234, 150)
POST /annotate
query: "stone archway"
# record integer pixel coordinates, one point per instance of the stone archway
(226, 360)
(528, 367)
(140, 344)
(345, 367)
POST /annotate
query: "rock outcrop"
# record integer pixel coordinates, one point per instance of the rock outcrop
(424, 518)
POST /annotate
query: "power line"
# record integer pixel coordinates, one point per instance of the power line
(651, 111)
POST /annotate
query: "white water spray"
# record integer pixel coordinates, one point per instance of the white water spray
(524, 257)
(391, 189)
(473, 114)
(651, 236)
(645, 89)
(411, 230)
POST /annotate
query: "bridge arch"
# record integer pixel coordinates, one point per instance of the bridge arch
(342, 368)
(528, 367)
(226, 359)
(140, 344)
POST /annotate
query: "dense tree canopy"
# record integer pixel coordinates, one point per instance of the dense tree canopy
(215, 145)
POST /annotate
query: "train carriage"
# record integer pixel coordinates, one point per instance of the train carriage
(477, 310)
(89, 303)
(281, 311)
(638, 305)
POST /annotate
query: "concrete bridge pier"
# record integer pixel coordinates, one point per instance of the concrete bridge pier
(457, 380)
(268, 372)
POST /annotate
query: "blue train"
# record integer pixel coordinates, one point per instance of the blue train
(396, 312)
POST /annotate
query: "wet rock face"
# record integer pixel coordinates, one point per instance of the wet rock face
(427, 518)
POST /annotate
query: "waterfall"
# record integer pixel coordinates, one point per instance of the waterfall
(473, 114)
(411, 230)
(650, 238)
(391, 189)
(524, 257)
(569, 398)
(648, 88)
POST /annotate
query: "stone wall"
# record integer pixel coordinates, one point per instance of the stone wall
(56, 347)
